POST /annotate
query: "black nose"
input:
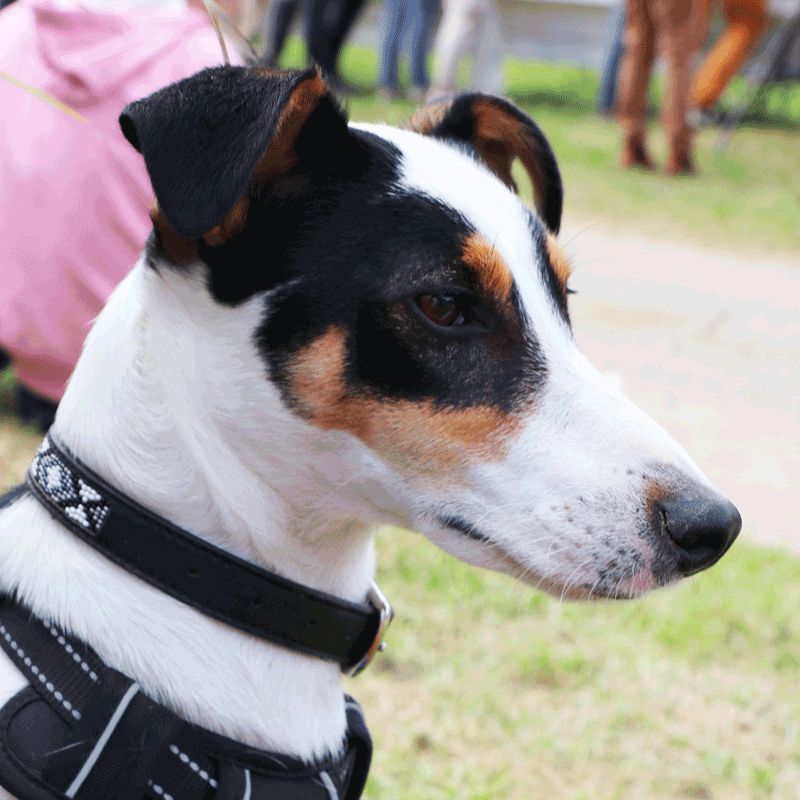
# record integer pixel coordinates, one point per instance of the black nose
(702, 527)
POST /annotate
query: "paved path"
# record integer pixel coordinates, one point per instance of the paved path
(709, 344)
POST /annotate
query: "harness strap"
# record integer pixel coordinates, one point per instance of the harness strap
(84, 731)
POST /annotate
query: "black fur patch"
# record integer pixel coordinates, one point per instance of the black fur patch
(202, 137)
(335, 242)
(338, 246)
(341, 248)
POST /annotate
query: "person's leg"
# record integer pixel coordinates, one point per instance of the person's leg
(455, 37)
(348, 12)
(607, 95)
(318, 19)
(703, 10)
(746, 21)
(422, 22)
(674, 19)
(487, 69)
(634, 78)
(393, 27)
(275, 29)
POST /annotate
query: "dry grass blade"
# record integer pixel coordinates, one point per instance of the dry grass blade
(44, 96)
(212, 15)
(217, 15)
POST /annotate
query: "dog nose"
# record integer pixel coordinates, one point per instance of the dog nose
(702, 527)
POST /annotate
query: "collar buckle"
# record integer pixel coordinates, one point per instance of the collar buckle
(378, 600)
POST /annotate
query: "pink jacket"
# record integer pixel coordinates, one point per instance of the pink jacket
(74, 196)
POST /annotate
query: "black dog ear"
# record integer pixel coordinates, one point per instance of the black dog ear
(499, 132)
(207, 139)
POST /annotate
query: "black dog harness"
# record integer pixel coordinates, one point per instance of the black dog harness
(84, 730)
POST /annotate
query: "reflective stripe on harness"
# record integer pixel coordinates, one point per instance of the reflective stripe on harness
(85, 731)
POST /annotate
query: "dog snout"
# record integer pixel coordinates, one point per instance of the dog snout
(700, 524)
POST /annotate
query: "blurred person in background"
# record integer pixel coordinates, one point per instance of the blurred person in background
(74, 196)
(745, 23)
(412, 22)
(653, 26)
(615, 47)
(328, 25)
(275, 27)
(468, 26)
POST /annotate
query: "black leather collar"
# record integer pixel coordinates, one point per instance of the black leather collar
(203, 576)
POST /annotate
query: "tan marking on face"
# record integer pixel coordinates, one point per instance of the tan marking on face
(559, 261)
(279, 157)
(232, 223)
(425, 120)
(499, 138)
(178, 249)
(654, 493)
(414, 435)
(488, 266)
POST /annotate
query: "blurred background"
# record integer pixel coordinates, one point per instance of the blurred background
(677, 127)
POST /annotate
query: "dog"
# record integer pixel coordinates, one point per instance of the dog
(335, 326)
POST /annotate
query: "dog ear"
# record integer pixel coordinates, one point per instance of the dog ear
(208, 139)
(499, 132)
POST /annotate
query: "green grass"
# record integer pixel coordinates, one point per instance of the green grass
(746, 199)
(491, 690)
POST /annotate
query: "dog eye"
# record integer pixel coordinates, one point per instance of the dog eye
(444, 310)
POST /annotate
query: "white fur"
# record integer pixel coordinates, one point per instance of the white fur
(568, 495)
(172, 403)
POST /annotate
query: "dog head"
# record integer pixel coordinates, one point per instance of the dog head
(415, 311)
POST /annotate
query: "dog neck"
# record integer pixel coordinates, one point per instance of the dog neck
(168, 404)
